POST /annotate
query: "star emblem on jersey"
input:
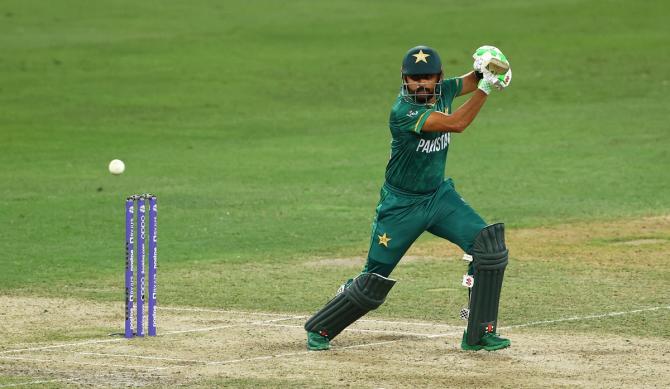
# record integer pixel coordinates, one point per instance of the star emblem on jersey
(421, 57)
(384, 240)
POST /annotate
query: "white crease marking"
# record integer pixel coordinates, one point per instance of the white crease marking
(97, 341)
(575, 318)
(262, 322)
(85, 342)
(187, 309)
(84, 363)
(359, 330)
(34, 382)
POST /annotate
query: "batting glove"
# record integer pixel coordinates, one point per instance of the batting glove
(500, 81)
(485, 86)
(491, 62)
(491, 58)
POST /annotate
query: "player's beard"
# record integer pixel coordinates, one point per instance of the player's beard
(423, 95)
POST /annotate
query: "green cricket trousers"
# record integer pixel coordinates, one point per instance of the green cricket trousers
(401, 217)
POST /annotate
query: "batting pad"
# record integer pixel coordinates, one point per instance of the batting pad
(490, 257)
(367, 292)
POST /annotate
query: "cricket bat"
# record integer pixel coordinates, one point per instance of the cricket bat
(497, 66)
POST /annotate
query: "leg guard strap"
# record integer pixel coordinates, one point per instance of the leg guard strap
(367, 292)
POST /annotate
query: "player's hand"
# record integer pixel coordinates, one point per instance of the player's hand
(491, 58)
(485, 86)
(504, 79)
(500, 81)
(491, 81)
(492, 63)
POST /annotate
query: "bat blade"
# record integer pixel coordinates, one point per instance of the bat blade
(497, 66)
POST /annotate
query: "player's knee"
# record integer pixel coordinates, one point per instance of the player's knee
(489, 247)
(369, 290)
(383, 269)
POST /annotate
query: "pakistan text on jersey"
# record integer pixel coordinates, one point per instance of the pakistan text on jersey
(434, 145)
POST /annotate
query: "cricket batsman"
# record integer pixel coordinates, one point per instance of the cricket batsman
(416, 197)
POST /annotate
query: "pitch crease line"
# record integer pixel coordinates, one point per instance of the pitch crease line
(206, 329)
(84, 363)
(142, 357)
(391, 332)
(82, 343)
(576, 318)
(206, 310)
(35, 382)
(409, 323)
(98, 341)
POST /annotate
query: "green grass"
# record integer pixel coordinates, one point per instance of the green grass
(263, 129)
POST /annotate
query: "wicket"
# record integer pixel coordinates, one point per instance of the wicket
(140, 201)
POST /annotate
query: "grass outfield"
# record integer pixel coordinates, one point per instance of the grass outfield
(263, 130)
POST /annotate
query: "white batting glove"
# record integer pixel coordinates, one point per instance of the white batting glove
(500, 81)
(504, 79)
(491, 58)
(485, 86)
(493, 64)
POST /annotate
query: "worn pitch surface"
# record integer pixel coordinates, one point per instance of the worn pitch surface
(198, 346)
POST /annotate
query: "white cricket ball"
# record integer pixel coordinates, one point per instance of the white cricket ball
(117, 166)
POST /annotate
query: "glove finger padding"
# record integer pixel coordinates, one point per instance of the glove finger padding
(479, 65)
(505, 79)
(500, 81)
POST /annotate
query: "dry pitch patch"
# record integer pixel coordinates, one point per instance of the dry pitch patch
(208, 346)
(203, 347)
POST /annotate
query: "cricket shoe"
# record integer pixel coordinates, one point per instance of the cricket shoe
(488, 342)
(316, 342)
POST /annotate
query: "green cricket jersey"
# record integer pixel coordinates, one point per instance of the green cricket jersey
(418, 159)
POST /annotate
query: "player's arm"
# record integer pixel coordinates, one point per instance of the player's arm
(469, 82)
(460, 119)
